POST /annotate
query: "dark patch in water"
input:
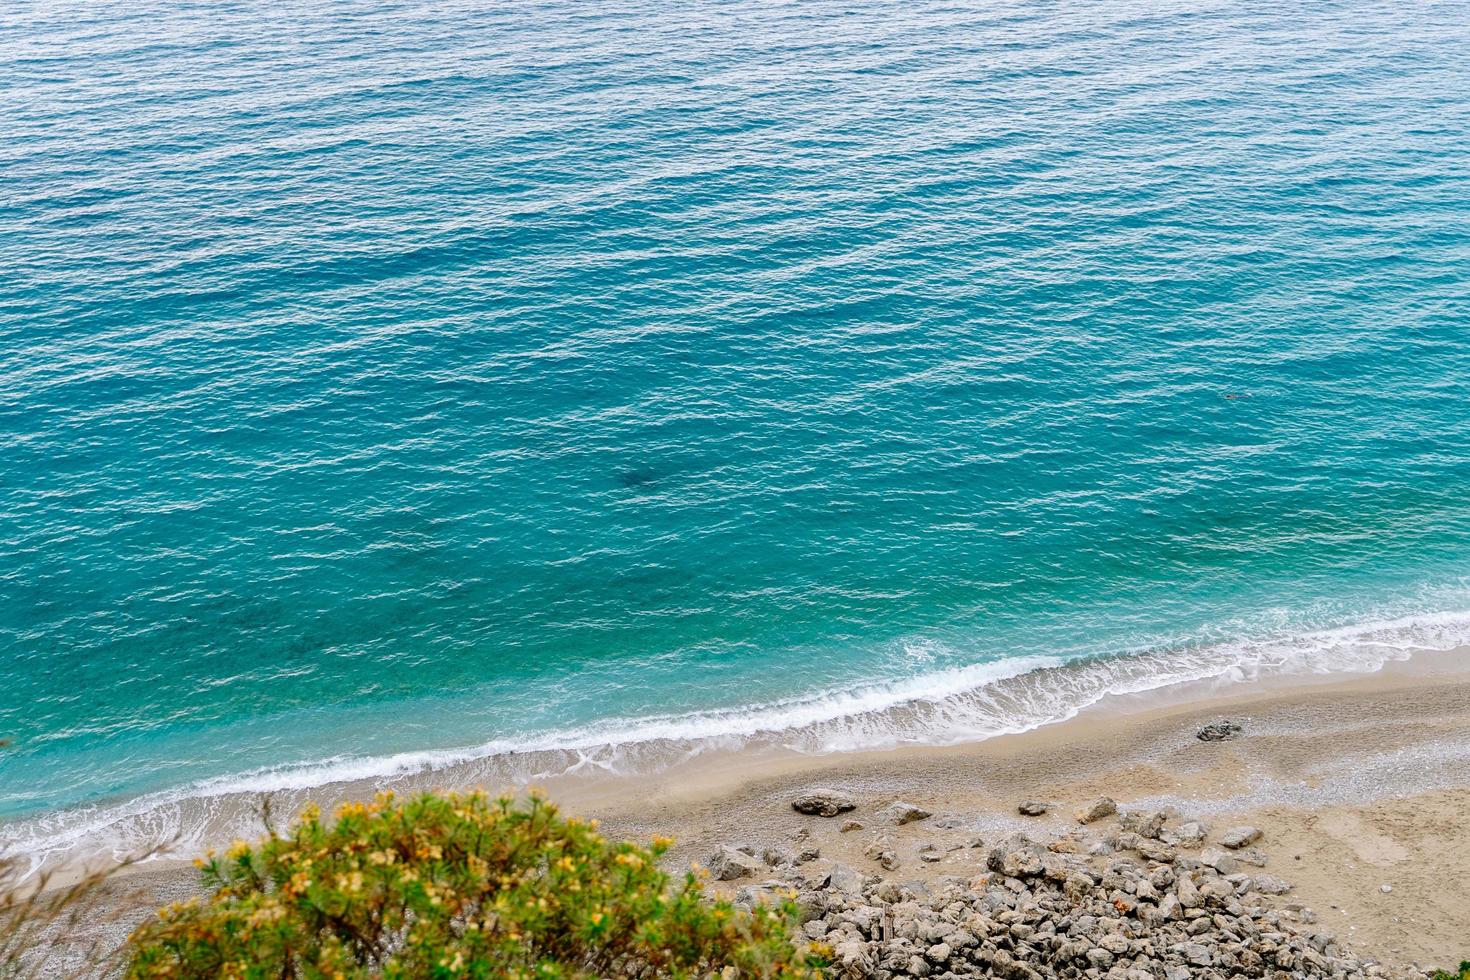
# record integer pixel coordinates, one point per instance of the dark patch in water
(635, 478)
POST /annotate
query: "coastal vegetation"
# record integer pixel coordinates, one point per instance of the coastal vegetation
(458, 886)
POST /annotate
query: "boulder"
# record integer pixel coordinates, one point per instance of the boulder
(823, 802)
(728, 864)
(1103, 806)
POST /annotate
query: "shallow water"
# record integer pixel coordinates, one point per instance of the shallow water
(443, 379)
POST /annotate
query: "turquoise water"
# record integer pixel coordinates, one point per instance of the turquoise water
(389, 383)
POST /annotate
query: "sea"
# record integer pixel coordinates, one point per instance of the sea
(393, 385)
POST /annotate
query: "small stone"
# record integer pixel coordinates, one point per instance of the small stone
(1385, 888)
(930, 854)
(939, 953)
(1101, 807)
(1032, 808)
(1238, 837)
(1219, 731)
(823, 802)
(848, 826)
(808, 854)
(899, 813)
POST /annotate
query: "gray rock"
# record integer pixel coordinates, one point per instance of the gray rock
(1032, 808)
(728, 864)
(845, 879)
(823, 802)
(848, 826)
(1268, 884)
(1219, 731)
(1144, 823)
(939, 953)
(899, 813)
(1224, 863)
(1196, 954)
(1238, 837)
(1101, 807)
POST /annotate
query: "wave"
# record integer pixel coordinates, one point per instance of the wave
(939, 708)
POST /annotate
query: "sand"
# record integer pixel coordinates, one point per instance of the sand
(1357, 783)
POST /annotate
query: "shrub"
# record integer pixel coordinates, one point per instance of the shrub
(1462, 974)
(457, 886)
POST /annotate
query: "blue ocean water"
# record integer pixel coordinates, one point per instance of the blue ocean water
(392, 382)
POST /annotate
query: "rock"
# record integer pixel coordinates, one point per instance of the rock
(1191, 832)
(931, 854)
(939, 953)
(850, 959)
(848, 826)
(1385, 888)
(1187, 892)
(1196, 954)
(1219, 731)
(1032, 808)
(823, 802)
(899, 813)
(808, 854)
(1268, 884)
(845, 879)
(777, 856)
(1224, 863)
(728, 864)
(1144, 823)
(1156, 851)
(1101, 807)
(1238, 837)
(1251, 856)
(1015, 858)
(881, 850)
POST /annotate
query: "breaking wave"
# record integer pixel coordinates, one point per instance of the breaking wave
(940, 708)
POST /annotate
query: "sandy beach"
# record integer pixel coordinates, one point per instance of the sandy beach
(1360, 786)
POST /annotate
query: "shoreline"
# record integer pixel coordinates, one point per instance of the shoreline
(1357, 782)
(949, 709)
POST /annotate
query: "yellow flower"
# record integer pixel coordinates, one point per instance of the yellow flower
(238, 850)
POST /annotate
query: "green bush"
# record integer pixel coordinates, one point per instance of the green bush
(457, 886)
(1462, 974)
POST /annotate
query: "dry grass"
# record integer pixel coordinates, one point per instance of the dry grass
(50, 931)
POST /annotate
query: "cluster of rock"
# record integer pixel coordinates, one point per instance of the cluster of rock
(1150, 899)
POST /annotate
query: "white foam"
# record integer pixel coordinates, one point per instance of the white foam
(942, 707)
